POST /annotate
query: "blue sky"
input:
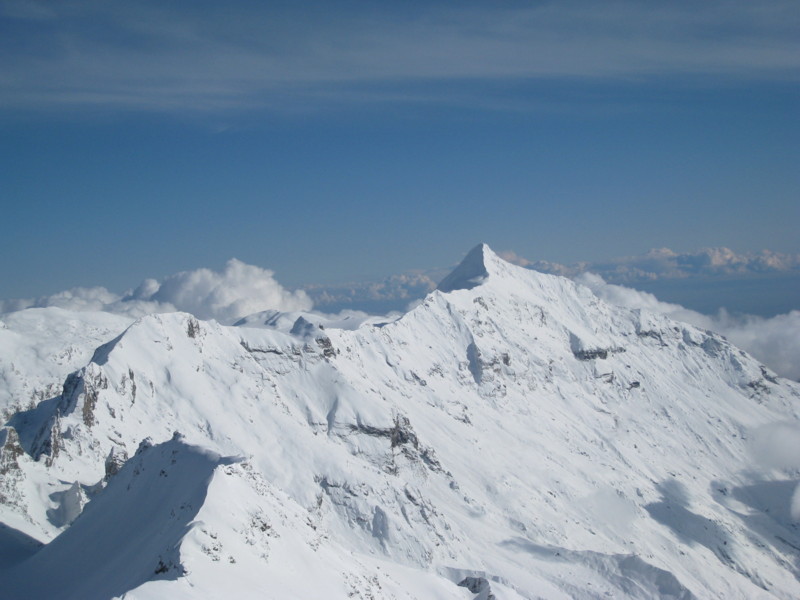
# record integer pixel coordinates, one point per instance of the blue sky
(353, 141)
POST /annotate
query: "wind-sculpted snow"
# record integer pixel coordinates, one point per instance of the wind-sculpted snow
(129, 532)
(512, 434)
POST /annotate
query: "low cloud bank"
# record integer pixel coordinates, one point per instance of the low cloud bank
(774, 341)
(238, 290)
(777, 446)
(663, 263)
(403, 287)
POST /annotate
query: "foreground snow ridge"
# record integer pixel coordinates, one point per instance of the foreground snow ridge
(512, 437)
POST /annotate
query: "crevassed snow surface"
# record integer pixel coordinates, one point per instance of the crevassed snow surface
(512, 434)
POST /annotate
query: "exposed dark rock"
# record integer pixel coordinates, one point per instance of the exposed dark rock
(251, 350)
(402, 438)
(591, 354)
(92, 386)
(52, 442)
(133, 386)
(114, 461)
(766, 375)
(402, 433)
(478, 585)
(10, 473)
(325, 343)
(302, 327)
(583, 351)
(192, 328)
(596, 353)
(10, 450)
(656, 335)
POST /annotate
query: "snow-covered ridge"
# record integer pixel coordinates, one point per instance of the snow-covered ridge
(511, 433)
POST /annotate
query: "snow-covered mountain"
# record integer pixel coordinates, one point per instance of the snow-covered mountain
(511, 437)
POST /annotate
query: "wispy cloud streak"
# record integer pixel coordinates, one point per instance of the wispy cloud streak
(148, 55)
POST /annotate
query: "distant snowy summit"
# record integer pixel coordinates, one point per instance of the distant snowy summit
(512, 436)
(472, 271)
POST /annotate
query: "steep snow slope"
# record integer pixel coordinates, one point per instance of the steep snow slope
(39, 347)
(512, 433)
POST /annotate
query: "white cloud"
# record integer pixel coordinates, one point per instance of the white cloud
(402, 287)
(238, 290)
(78, 298)
(514, 258)
(663, 263)
(777, 445)
(631, 298)
(774, 341)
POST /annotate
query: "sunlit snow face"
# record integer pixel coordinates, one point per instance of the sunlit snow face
(611, 508)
